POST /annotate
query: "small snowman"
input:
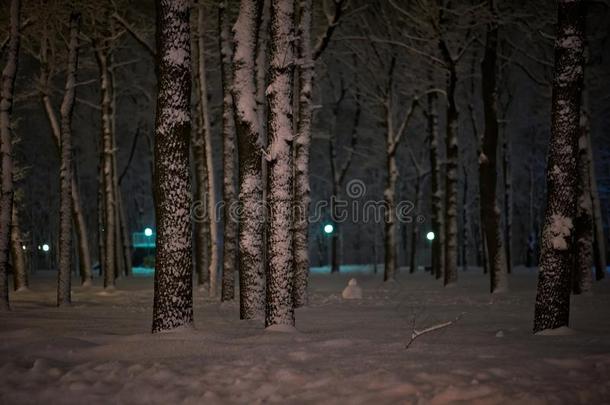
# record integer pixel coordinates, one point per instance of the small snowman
(352, 291)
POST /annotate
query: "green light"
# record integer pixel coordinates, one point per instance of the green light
(430, 235)
(148, 232)
(328, 229)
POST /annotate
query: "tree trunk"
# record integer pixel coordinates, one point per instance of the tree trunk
(202, 91)
(302, 146)
(557, 244)
(252, 276)
(173, 297)
(228, 128)
(438, 250)
(508, 200)
(64, 282)
(490, 211)
(109, 204)
(279, 302)
(583, 225)
(415, 228)
(389, 197)
(20, 272)
(78, 218)
(202, 220)
(450, 225)
(6, 151)
(465, 221)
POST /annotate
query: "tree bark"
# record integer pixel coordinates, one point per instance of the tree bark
(450, 228)
(508, 200)
(557, 244)
(582, 279)
(490, 211)
(438, 250)
(202, 91)
(173, 297)
(6, 151)
(279, 301)
(64, 281)
(109, 203)
(20, 272)
(251, 268)
(229, 151)
(302, 144)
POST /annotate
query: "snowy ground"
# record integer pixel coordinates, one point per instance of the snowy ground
(100, 350)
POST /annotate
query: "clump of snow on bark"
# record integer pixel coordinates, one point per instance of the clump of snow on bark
(561, 227)
(352, 291)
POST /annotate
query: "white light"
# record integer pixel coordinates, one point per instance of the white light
(430, 235)
(23, 247)
(148, 232)
(39, 247)
(328, 228)
(45, 247)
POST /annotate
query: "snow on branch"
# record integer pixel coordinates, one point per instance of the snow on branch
(333, 22)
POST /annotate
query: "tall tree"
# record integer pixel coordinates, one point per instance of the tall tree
(557, 244)
(436, 186)
(64, 282)
(307, 56)
(229, 190)
(106, 182)
(206, 127)
(173, 297)
(6, 153)
(47, 68)
(20, 273)
(248, 125)
(490, 211)
(279, 300)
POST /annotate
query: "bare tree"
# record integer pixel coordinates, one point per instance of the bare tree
(20, 272)
(490, 211)
(6, 160)
(173, 298)
(206, 134)
(229, 148)
(557, 252)
(279, 277)
(251, 280)
(64, 282)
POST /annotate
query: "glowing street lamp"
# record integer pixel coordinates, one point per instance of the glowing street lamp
(328, 229)
(23, 247)
(148, 232)
(45, 248)
(430, 236)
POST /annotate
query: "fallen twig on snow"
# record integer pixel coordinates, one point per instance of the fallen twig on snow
(417, 333)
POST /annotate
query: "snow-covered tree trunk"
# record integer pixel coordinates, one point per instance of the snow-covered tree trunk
(583, 225)
(251, 269)
(490, 211)
(202, 92)
(173, 297)
(438, 250)
(78, 218)
(302, 146)
(557, 244)
(6, 153)
(20, 273)
(450, 225)
(465, 222)
(107, 151)
(279, 300)
(64, 282)
(414, 224)
(229, 190)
